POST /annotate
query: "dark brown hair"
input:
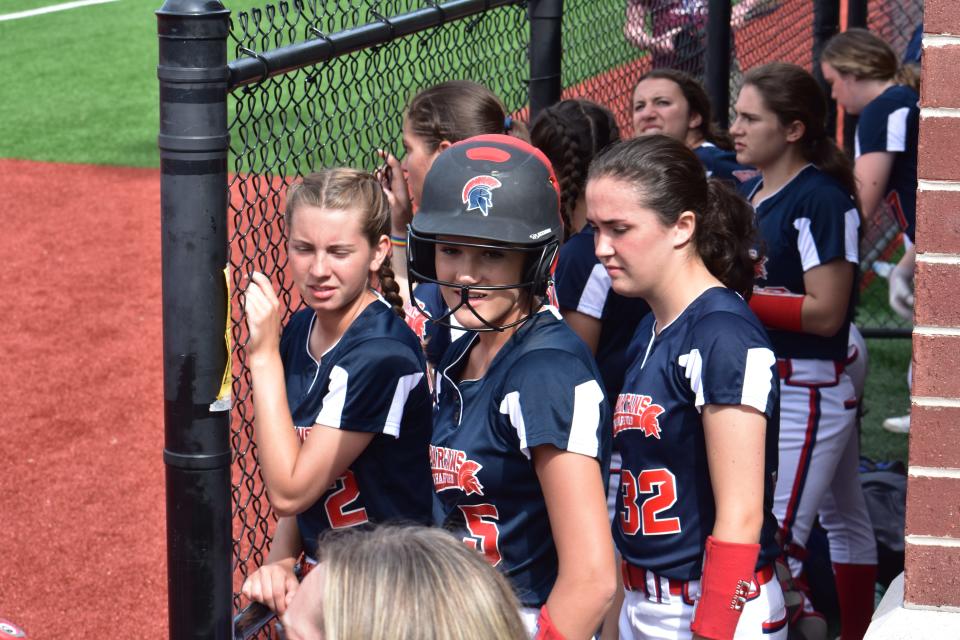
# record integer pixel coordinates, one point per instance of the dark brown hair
(570, 133)
(795, 96)
(457, 110)
(698, 101)
(669, 179)
(352, 190)
(866, 56)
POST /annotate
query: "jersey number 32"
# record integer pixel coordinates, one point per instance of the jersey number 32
(645, 516)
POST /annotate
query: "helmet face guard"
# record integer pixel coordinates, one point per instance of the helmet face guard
(539, 262)
(496, 192)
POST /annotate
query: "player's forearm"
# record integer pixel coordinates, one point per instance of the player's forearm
(580, 600)
(286, 545)
(276, 440)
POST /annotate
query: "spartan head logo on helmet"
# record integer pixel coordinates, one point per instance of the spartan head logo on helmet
(477, 193)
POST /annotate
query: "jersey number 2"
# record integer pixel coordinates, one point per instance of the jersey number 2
(337, 503)
(484, 531)
(663, 485)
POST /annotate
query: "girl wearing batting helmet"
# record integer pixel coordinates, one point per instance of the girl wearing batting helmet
(436, 118)
(343, 412)
(521, 436)
(696, 418)
(806, 205)
(673, 103)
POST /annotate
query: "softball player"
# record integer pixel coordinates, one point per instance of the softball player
(343, 412)
(867, 79)
(808, 218)
(436, 118)
(696, 419)
(521, 434)
(673, 103)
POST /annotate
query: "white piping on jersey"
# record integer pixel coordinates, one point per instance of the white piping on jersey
(851, 242)
(757, 378)
(653, 337)
(587, 398)
(510, 406)
(454, 384)
(809, 256)
(332, 410)
(692, 364)
(897, 129)
(782, 187)
(595, 293)
(653, 331)
(405, 385)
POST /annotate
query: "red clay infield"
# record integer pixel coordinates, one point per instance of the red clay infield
(82, 543)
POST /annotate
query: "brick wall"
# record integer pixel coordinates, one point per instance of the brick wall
(933, 494)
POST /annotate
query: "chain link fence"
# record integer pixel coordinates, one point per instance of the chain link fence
(338, 113)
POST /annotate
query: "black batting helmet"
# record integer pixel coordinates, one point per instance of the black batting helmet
(498, 191)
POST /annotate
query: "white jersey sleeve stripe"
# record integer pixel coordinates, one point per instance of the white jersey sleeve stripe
(587, 398)
(758, 378)
(897, 129)
(510, 406)
(693, 370)
(405, 385)
(851, 241)
(595, 292)
(809, 256)
(332, 411)
(856, 143)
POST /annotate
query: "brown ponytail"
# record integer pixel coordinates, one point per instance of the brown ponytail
(669, 180)
(389, 288)
(795, 96)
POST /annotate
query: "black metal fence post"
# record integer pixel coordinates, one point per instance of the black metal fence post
(546, 53)
(193, 143)
(826, 23)
(717, 78)
(856, 17)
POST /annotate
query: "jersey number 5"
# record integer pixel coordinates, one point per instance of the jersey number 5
(337, 503)
(663, 485)
(484, 531)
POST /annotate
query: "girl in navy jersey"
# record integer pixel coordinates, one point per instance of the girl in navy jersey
(521, 436)
(436, 118)
(673, 103)
(342, 405)
(867, 80)
(805, 200)
(696, 419)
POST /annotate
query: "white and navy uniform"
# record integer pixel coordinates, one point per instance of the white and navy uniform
(714, 353)
(436, 338)
(722, 164)
(372, 380)
(810, 221)
(583, 285)
(542, 388)
(891, 123)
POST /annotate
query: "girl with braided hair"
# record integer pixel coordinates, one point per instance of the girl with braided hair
(346, 372)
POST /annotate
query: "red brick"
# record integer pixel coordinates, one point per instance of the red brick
(937, 304)
(939, 86)
(935, 361)
(940, 17)
(932, 506)
(939, 141)
(934, 432)
(938, 221)
(931, 578)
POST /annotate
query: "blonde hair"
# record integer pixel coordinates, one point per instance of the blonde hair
(351, 190)
(866, 56)
(412, 583)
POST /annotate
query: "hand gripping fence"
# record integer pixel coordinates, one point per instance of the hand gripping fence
(251, 101)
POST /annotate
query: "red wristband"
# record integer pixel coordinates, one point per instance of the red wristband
(545, 628)
(778, 310)
(728, 569)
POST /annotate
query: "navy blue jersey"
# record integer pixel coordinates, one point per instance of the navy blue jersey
(722, 164)
(583, 285)
(809, 221)
(542, 388)
(891, 123)
(372, 380)
(436, 337)
(715, 352)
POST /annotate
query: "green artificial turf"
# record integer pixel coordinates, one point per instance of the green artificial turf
(886, 395)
